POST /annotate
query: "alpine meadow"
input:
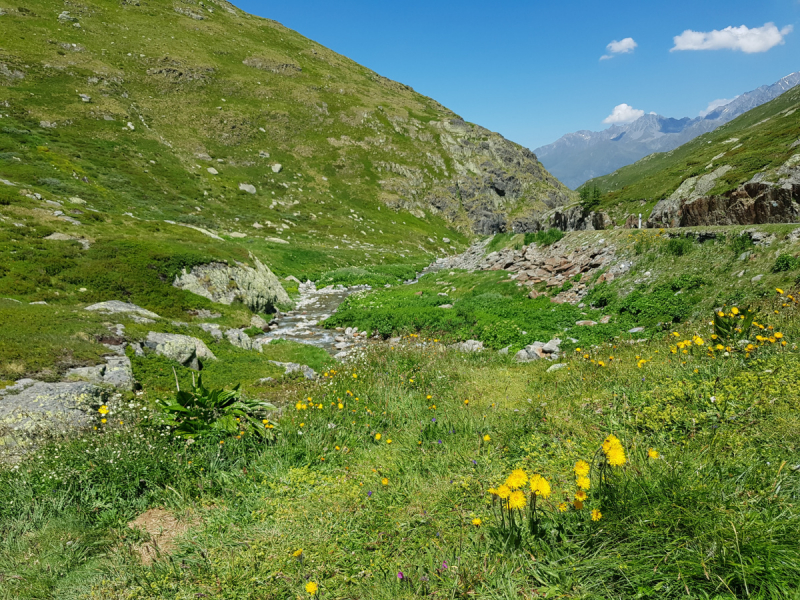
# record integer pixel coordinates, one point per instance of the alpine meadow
(275, 326)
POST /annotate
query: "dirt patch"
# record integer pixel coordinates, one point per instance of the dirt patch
(163, 528)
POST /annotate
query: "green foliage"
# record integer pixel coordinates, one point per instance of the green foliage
(374, 275)
(786, 262)
(679, 246)
(734, 325)
(741, 242)
(200, 412)
(544, 238)
(590, 197)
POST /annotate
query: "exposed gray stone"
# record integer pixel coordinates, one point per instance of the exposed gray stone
(552, 346)
(258, 321)
(30, 409)
(114, 307)
(247, 187)
(183, 349)
(556, 367)
(290, 368)
(257, 288)
(468, 346)
(757, 278)
(636, 330)
(239, 338)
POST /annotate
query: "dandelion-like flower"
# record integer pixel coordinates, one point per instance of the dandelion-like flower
(503, 492)
(517, 500)
(581, 468)
(584, 483)
(578, 504)
(563, 507)
(486, 438)
(298, 553)
(312, 588)
(615, 453)
(652, 453)
(540, 486)
(103, 410)
(779, 290)
(596, 515)
(517, 479)
(377, 437)
(385, 481)
(580, 495)
(477, 522)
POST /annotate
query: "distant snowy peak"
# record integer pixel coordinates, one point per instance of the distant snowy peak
(577, 157)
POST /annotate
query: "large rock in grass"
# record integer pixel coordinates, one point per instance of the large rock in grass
(33, 409)
(257, 288)
(116, 372)
(116, 307)
(183, 349)
(468, 346)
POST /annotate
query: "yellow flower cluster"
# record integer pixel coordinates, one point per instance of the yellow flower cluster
(511, 492)
(615, 453)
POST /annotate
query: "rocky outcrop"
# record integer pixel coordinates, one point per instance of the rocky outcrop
(291, 368)
(490, 177)
(117, 372)
(257, 288)
(573, 218)
(183, 349)
(31, 409)
(116, 307)
(754, 203)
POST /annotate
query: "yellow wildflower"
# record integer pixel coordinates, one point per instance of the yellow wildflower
(297, 553)
(596, 515)
(517, 479)
(778, 336)
(477, 522)
(562, 507)
(103, 410)
(584, 483)
(581, 468)
(652, 453)
(385, 481)
(615, 454)
(540, 486)
(377, 437)
(503, 492)
(580, 495)
(486, 438)
(734, 311)
(577, 504)
(312, 588)
(779, 290)
(517, 500)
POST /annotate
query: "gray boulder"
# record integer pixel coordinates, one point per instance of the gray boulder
(556, 367)
(183, 349)
(468, 346)
(524, 356)
(290, 368)
(247, 187)
(115, 307)
(117, 372)
(257, 288)
(239, 338)
(212, 328)
(31, 409)
(552, 346)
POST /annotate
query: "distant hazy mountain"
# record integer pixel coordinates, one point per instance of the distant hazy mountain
(583, 155)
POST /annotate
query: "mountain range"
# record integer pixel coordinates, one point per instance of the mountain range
(583, 155)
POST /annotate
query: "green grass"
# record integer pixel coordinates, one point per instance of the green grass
(763, 139)
(716, 514)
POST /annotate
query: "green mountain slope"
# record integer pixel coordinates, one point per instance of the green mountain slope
(761, 140)
(202, 115)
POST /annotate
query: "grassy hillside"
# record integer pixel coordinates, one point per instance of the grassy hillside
(760, 140)
(131, 114)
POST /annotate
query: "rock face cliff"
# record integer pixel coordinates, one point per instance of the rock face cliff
(769, 197)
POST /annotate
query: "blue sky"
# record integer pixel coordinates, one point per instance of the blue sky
(532, 70)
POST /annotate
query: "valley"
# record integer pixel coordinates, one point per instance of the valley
(275, 326)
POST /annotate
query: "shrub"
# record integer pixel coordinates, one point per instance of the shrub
(678, 246)
(201, 412)
(785, 262)
(740, 243)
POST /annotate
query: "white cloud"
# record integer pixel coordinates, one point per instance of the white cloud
(757, 39)
(714, 104)
(623, 113)
(623, 46)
